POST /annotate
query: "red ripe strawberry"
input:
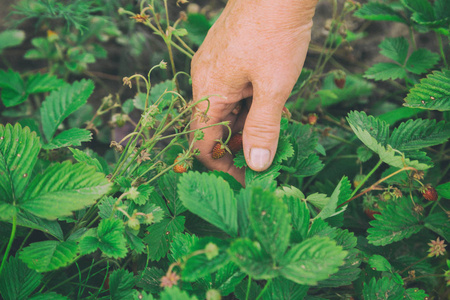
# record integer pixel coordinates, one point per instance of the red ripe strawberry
(181, 167)
(218, 151)
(312, 119)
(235, 143)
(339, 82)
(429, 193)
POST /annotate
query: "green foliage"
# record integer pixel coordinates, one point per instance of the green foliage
(121, 284)
(160, 235)
(211, 198)
(396, 222)
(432, 93)
(17, 281)
(49, 255)
(385, 287)
(11, 38)
(378, 11)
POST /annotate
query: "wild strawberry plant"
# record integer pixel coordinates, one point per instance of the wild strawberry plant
(354, 206)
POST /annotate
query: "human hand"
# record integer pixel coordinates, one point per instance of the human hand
(255, 50)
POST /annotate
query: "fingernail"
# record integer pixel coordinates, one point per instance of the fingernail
(259, 158)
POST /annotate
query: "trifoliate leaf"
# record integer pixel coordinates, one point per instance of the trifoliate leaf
(19, 149)
(385, 287)
(211, 198)
(378, 11)
(385, 71)
(421, 60)
(379, 263)
(252, 260)
(312, 260)
(63, 102)
(397, 221)
(418, 134)
(108, 237)
(395, 49)
(432, 93)
(64, 188)
(17, 281)
(161, 234)
(270, 221)
(121, 283)
(47, 256)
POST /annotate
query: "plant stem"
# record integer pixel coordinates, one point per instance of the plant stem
(264, 289)
(25, 239)
(11, 240)
(366, 178)
(248, 287)
(441, 47)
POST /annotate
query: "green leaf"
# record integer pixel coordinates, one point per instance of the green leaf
(438, 222)
(421, 60)
(161, 234)
(283, 289)
(197, 26)
(41, 83)
(385, 71)
(47, 256)
(63, 188)
(11, 38)
(312, 260)
(108, 237)
(385, 288)
(155, 93)
(121, 283)
(63, 102)
(175, 293)
(13, 88)
(379, 263)
(250, 258)
(299, 212)
(395, 49)
(418, 134)
(350, 270)
(19, 149)
(340, 194)
(17, 281)
(31, 221)
(71, 137)
(415, 294)
(150, 279)
(374, 134)
(227, 278)
(443, 190)
(284, 150)
(168, 186)
(181, 245)
(198, 266)
(83, 157)
(378, 11)
(432, 93)
(211, 198)
(270, 221)
(396, 222)
(401, 113)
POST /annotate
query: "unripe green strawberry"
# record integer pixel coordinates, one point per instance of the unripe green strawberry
(134, 224)
(235, 143)
(429, 193)
(218, 151)
(358, 179)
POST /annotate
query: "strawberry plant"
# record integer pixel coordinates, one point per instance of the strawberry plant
(102, 197)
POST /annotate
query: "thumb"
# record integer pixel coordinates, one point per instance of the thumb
(261, 132)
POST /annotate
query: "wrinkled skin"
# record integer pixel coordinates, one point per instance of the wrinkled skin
(254, 51)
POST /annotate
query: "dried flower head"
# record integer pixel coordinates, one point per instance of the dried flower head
(396, 192)
(202, 116)
(143, 156)
(127, 81)
(437, 247)
(140, 18)
(418, 175)
(118, 147)
(170, 279)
